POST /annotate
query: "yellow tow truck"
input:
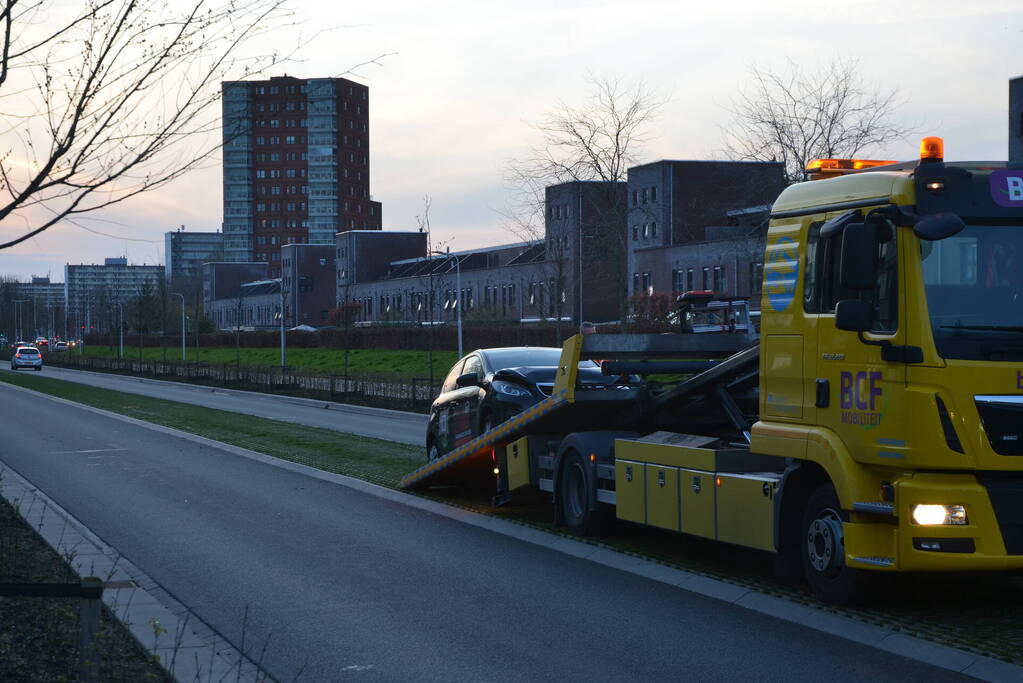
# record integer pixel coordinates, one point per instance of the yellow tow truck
(876, 423)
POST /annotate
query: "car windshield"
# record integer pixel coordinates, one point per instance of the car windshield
(974, 285)
(500, 359)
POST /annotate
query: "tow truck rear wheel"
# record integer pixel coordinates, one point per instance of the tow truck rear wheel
(823, 544)
(574, 497)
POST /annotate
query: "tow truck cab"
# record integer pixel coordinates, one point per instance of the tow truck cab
(892, 357)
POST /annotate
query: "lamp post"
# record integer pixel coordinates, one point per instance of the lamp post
(182, 324)
(18, 331)
(120, 308)
(458, 294)
(284, 348)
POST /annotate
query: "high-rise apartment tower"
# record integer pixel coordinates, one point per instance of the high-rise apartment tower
(296, 165)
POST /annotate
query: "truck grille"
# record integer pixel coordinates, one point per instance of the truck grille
(1006, 493)
(1002, 417)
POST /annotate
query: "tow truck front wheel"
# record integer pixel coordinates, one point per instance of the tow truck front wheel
(823, 544)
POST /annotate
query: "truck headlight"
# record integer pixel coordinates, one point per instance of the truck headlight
(938, 515)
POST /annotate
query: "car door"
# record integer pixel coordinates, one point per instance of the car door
(444, 406)
(473, 394)
(464, 404)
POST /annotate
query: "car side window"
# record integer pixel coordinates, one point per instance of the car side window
(473, 364)
(449, 381)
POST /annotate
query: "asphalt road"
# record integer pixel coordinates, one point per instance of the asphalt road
(345, 585)
(391, 425)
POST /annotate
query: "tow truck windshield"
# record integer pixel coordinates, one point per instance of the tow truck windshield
(974, 285)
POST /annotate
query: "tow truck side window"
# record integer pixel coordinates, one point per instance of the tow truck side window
(823, 290)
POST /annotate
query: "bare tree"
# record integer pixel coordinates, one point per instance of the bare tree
(597, 141)
(100, 101)
(804, 114)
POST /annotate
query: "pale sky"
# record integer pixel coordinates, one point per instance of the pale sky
(454, 103)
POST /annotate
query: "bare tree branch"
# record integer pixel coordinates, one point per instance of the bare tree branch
(598, 141)
(104, 103)
(800, 115)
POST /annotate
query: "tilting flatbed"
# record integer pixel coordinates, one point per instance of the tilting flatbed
(573, 408)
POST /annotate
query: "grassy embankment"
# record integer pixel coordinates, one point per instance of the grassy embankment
(404, 364)
(977, 612)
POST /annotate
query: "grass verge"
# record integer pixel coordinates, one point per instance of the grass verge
(39, 636)
(975, 612)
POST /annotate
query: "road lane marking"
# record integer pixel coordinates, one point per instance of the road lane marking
(93, 450)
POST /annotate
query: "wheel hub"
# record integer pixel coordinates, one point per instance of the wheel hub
(825, 545)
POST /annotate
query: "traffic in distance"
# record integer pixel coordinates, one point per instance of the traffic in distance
(872, 426)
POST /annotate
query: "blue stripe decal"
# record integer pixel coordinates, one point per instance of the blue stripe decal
(890, 454)
(892, 442)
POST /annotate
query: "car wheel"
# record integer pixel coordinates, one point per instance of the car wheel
(823, 543)
(574, 497)
(39, 368)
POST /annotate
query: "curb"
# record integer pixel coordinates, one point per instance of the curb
(910, 647)
(186, 647)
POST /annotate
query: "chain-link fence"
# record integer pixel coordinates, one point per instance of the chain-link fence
(382, 391)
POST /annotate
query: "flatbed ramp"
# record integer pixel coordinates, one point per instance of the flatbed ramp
(572, 408)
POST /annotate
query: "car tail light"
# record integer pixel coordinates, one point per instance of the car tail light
(17, 355)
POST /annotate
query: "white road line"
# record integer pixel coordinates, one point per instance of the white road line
(94, 450)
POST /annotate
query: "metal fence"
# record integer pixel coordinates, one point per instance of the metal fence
(382, 391)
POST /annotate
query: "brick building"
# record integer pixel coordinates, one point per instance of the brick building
(296, 165)
(309, 279)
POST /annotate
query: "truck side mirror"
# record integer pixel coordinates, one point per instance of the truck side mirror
(469, 379)
(854, 315)
(938, 226)
(858, 267)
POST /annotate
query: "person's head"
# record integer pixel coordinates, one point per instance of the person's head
(587, 328)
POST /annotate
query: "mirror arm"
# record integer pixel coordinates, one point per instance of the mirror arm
(895, 353)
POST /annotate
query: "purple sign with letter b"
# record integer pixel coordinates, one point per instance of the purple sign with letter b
(1007, 188)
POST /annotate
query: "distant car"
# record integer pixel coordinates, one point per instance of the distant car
(42, 341)
(488, 386)
(27, 357)
(60, 346)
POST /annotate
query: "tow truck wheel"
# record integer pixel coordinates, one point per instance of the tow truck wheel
(823, 544)
(574, 497)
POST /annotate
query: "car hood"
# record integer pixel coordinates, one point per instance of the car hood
(547, 374)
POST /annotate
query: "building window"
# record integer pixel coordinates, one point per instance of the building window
(653, 194)
(635, 232)
(646, 230)
(690, 279)
(756, 277)
(635, 198)
(720, 279)
(635, 283)
(648, 287)
(653, 229)
(706, 277)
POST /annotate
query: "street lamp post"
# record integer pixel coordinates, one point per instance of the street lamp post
(19, 329)
(458, 294)
(284, 348)
(120, 308)
(182, 324)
